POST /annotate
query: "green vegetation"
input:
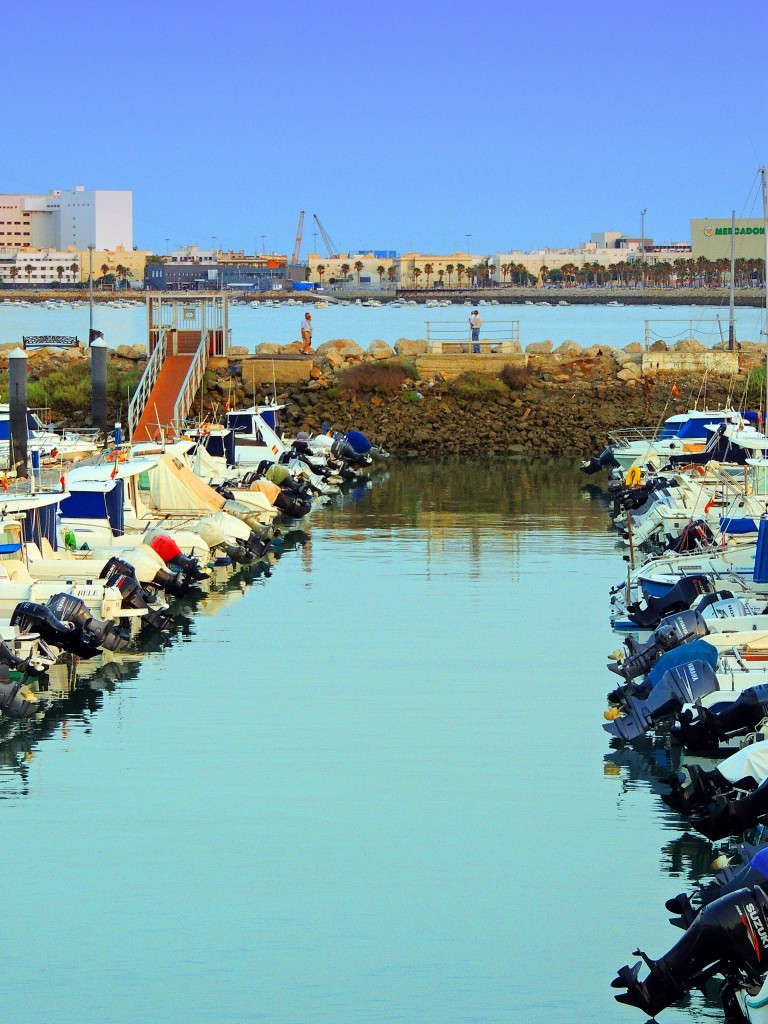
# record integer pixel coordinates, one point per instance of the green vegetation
(66, 390)
(755, 395)
(477, 385)
(384, 378)
(516, 378)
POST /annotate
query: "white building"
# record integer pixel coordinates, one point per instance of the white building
(78, 216)
(37, 268)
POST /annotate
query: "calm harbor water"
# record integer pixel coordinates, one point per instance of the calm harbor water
(587, 325)
(368, 786)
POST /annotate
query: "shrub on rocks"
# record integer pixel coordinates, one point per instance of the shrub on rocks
(367, 378)
(477, 385)
(516, 378)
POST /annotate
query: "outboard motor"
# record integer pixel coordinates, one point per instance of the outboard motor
(359, 442)
(728, 936)
(38, 618)
(292, 505)
(680, 597)
(673, 631)
(701, 729)
(12, 703)
(605, 460)
(135, 597)
(171, 582)
(754, 872)
(342, 449)
(731, 817)
(69, 608)
(683, 684)
(170, 552)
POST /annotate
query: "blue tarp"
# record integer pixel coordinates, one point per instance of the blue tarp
(760, 574)
(697, 650)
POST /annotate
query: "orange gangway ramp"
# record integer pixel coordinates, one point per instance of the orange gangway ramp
(162, 398)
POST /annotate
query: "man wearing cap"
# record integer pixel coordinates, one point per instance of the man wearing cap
(306, 334)
(475, 323)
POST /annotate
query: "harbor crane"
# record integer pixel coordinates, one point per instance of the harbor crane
(297, 246)
(333, 252)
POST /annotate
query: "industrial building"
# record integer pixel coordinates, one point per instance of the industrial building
(76, 217)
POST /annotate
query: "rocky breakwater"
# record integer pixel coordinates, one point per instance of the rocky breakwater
(552, 401)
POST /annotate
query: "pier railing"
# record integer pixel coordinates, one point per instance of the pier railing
(192, 382)
(680, 329)
(496, 336)
(148, 378)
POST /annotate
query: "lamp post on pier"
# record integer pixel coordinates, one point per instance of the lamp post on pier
(642, 246)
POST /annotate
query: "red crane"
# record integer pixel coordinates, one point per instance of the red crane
(299, 233)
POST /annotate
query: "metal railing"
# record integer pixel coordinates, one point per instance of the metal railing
(496, 336)
(191, 384)
(147, 382)
(679, 329)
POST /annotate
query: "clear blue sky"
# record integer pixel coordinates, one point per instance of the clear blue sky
(400, 125)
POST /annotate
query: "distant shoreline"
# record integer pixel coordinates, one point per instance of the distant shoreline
(754, 297)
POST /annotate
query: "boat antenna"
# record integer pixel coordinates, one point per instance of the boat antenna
(274, 384)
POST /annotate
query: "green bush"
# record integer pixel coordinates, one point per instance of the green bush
(475, 385)
(410, 369)
(756, 387)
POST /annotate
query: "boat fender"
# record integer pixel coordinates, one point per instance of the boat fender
(633, 477)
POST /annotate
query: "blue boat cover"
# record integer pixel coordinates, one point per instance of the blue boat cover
(697, 650)
(760, 573)
(738, 526)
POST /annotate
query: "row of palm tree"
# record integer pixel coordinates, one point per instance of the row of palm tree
(108, 274)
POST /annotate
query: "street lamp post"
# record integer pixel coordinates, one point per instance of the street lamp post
(90, 294)
(642, 246)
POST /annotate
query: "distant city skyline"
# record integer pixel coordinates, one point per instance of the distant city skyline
(407, 127)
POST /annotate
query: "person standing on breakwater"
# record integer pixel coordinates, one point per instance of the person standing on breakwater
(475, 323)
(306, 334)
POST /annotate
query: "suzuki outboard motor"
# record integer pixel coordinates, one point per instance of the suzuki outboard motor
(728, 936)
(753, 873)
(702, 729)
(135, 597)
(69, 608)
(604, 460)
(684, 684)
(674, 630)
(680, 597)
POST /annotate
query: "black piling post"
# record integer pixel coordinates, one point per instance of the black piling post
(17, 387)
(99, 385)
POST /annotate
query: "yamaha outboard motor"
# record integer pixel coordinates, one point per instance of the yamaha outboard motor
(680, 597)
(701, 729)
(38, 618)
(683, 684)
(674, 630)
(728, 936)
(106, 634)
(701, 790)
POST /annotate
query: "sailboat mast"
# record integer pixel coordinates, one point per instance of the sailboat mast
(731, 311)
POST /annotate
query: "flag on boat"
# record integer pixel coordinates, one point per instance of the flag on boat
(675, 391)
(275, 449)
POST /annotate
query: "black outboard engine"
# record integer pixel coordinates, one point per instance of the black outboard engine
(681, 685)
(680, 597)
(12, 704)
(731, 817)
(171, 582)
(701, 790)
(342, 449)
(728, 936)
(77, 639)
(605, 460)
(292, 505)
(673, 631)
(135, 597)
(106, 634)
(703, 729)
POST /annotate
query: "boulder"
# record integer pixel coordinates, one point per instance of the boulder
(334, 345)
(634, 348)
(410, 347)
(689, 345)
(291, 347)
(659, 346)
(630, 371)
(379, 349)
(238, 350)
(539, 348)
(267, 348)
(334, 358)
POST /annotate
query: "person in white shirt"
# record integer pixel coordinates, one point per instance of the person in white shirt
(306, 334)
(475, 323)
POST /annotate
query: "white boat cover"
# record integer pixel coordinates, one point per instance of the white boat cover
(751, 762)
(172, 485)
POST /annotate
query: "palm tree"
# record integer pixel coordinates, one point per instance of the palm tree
(14, 272)
(28, 271)
(123, 274)
(60, 273)
(449, 269)
(381, 271)
(358, 268)
(344, 269)
(428, 270)
(391, 272)
(460, 268)
(441, 274)
(320, 271)
(416, 275)
(74, 269)
(490, 271)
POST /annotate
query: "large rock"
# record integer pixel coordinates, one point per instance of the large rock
(351, 353)
(689, 345)
(267, 348)
(569, 350)
(238, 350)
(334, 358)
(290, 348)
(630, 371)
(634, 348)
(333, 346)
(539, 348)
(410, 347)
(379, 349)
(659, 346)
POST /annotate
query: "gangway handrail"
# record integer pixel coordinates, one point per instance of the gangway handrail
(148, 380)
(191, 384)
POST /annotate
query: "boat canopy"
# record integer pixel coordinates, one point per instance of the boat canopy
(172, 485)
(97, 499)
